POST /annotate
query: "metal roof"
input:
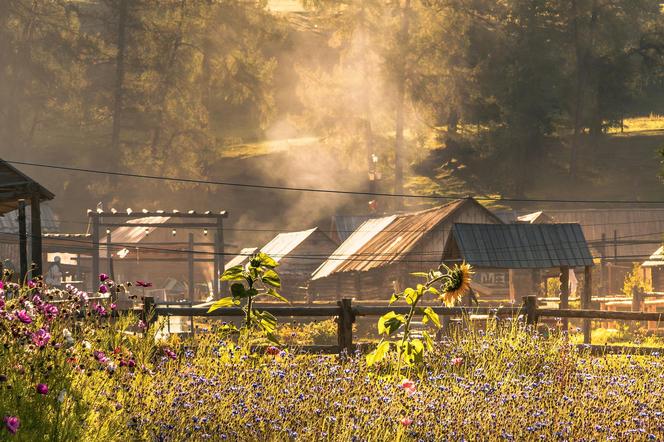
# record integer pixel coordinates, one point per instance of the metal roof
(15, 185)
(284, 243)
(345, 225)
(241, 258)
(50, 223)
(656, 259)
(518, 246)
(383, 241)
(638, 230)
(131, 235)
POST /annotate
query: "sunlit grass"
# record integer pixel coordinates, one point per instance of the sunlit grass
(648, 123)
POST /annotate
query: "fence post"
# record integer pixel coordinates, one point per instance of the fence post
(345, 325)
(148, 310)
(530, 306)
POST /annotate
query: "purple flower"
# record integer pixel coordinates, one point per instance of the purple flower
(141, 325)
(170, 353)
(36, 300)
(50, 311)
(101, 357)
(143, 284)
(12, 423)
(103, 289)
(42, 388)
(2, 302)
(103, 277)
(41, 337)
(113, 306)
(101, 311)
(24, 317)
(31, 284)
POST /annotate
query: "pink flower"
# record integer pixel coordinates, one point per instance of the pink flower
(2, 302)
(101, 311)
(24, 317)
(457, 361)
(41, 337)
(36, 300)
(103, 289)
(143, 284)
(31, 284)
(408, 386)
(113, 306)
(272, 350)
(103, 277)
(42, 388)
(141, 325)
(12, 423)
(406, 421)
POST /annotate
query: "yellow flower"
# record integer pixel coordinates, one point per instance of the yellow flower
(456, 283)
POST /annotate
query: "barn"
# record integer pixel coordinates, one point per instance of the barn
(379, 256)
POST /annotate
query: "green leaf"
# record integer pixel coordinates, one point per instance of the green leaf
(430, 315)
(238, 290)
(274, 294)
(263, 259)
(395, 297)
(412, 352)
(389, 323)
(223, 302)
(410, 295)
(271, 277)
(420, 275)
(434, 291)
(265, 320)
(378, 354)
(233, 274)
(428, 342)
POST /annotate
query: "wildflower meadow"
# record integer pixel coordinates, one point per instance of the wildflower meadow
(79, 370)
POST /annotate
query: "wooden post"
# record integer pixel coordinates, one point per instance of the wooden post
(530, 306)
(22, 242)
(637, 296)
(586, 301)
(345, 326)
(564, 293)
(602, 274)
(36, 234)
(95, 252)
(148, 310)
(615, 245)
(221, 257)
(190, 266)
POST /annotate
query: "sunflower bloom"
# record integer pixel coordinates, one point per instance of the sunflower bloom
(457, 283)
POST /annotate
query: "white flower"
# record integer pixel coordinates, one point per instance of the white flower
(87, 345)
(61, 395)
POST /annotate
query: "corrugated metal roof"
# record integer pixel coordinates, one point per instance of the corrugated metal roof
(352, 245)
(345, 225)
(383, 241)
(656, 259)
(284, 243)
(241, 258)
(635, 224)
(132, 235)
(519, 246)
(9, 221)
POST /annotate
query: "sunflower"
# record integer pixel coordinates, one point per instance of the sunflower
(457, 283)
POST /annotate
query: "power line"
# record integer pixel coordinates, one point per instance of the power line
(326, 191)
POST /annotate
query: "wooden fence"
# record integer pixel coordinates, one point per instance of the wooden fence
(346, 314)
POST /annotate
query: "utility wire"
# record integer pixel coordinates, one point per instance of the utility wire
(326, 191)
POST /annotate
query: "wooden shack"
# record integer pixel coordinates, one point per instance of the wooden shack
(528, 251)
(379, 256)
(17, 191)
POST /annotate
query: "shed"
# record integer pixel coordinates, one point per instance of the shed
(654, 269)
(379, 256)
(16, 191)
(298, 255)
(526, 250)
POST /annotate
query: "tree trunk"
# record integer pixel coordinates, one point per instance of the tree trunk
(119, 78)
(400, 105)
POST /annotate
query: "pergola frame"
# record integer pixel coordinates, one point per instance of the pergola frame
(207, 220)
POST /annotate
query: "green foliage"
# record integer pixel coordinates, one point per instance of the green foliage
(258, 278)
(452, 283)
(635, 280)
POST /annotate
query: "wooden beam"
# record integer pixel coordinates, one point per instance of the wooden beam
(95, 253)
(22, 241)
(586, 301)
(564, 293)
(36, 234)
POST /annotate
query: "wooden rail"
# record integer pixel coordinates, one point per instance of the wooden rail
(346, 315)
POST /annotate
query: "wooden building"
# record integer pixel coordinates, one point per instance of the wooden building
(529, 252)
(653, 269)
(17, 191)
(379, 256)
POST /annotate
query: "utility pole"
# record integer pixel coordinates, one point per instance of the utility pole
(400, 104)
